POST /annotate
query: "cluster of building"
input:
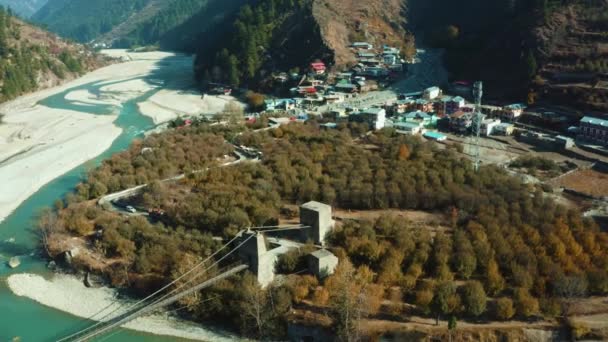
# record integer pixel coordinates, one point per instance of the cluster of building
(318, 86)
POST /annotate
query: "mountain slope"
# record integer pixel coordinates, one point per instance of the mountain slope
(158, 22)
(31, 58)
(279, 35)
(24, 8)
(550, 50)
(85, 20)
(173, 24)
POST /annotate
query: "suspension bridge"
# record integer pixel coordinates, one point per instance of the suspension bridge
(248, 246)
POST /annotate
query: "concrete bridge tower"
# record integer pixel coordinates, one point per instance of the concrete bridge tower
(318, 217)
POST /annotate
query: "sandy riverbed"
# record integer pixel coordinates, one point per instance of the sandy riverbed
(38, 143)
(68, 294)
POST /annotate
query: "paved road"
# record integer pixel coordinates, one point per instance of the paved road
(109, 200)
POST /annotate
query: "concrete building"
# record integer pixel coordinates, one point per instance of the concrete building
(318, 217)
(461, 122)
(594, 129)
(363, 45)
(488, 126)
(322, 263)
(564, 142)
(280, 104)
(511, 112)
(374, 117)
(390, 59)
(454, 105)
(504, 129)
(402, 106)
(410, 128)
(424, 105)
(431, 93)
(427, 119)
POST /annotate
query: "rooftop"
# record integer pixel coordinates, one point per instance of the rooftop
(407, 125)
(417, 115)
(373, 110)
(435, 135)
(322, 253)
(314, 205)
(594, 121)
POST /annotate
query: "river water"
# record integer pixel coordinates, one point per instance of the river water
(26, 318)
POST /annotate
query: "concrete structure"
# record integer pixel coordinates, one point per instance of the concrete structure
(427, 120)
(322, 263)
(504, 129)
(374, 117)
(255, 253)
(454, 105)
(408, 127)
(424, 105)
(318, 68)
(461, 122)
(280, 104)
(594, 129)
(402, 106)
(318, 217)
(363, 45)
(431, 93)
(564, 142)
(448, 105)
(390, 59)
(488, 126)
(511, 112)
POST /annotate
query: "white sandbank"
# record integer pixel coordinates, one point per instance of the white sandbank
(38, 143)
(67, 293)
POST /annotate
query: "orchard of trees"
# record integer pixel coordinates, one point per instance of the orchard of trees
(508, 250)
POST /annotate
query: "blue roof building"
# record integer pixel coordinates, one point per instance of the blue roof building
(594, 129)
(435, 136)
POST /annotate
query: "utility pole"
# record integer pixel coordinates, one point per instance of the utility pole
(477, 117)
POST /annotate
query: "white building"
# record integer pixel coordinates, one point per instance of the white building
(488, 126)
(363, 45)
(431, 93)
(410, 128)
(375, 117)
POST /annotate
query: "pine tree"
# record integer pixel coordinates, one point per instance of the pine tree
(531, 65)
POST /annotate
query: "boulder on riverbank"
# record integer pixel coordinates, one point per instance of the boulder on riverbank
(14, 262)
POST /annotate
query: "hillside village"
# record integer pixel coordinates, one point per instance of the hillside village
(333, 97)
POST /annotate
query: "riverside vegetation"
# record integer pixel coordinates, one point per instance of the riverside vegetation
(508, 252)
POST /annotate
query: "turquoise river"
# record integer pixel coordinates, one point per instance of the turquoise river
(25, 318)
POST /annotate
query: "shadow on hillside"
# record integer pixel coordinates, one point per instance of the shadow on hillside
(174, 72)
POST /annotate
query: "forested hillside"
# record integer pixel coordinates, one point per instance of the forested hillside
(85, 20)
(23, 8)
(511, 43)
(31, 58)
(173, 24)
(256, 39)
